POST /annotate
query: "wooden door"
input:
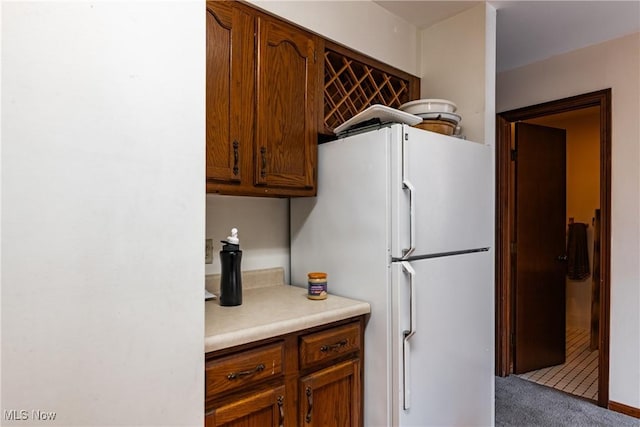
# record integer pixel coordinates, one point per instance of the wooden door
(229, 91)
(539, 330)
(262, 409)
(331, 397)
(286, 124)
(594, 341)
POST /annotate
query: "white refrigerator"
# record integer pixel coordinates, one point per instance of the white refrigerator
(404, 219)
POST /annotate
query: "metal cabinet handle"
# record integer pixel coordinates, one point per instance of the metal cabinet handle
(236, 157)
(309, 394)
(281, 410)
(333, 347)
(406, 347)
(562, 257)
(263, 154)
(236, 375)
(407, 185)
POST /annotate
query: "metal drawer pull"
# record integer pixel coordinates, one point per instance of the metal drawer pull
(263, 169)
(236, 375)
(333, 347)
(235, 157)
(281, 409)
(309, 393)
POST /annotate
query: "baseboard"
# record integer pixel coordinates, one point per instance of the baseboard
(624, 409)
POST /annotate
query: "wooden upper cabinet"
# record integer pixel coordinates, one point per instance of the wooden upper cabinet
(286, 93)
(229, 93)
(262, 79)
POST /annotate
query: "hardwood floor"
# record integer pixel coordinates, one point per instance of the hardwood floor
(578, 375)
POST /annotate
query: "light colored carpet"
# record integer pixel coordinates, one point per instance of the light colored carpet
(522, 403)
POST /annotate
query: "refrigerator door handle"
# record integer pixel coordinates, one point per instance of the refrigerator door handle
(412, 219)
(407, 336)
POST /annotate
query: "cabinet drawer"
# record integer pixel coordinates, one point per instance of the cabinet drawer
(243, 369)
(329, 344)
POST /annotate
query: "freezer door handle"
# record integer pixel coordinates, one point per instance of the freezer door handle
(406, 350)
(406, 253)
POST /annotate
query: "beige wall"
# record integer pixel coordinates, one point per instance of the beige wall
(102, 213)
(616, 65)
(263, 229)
(583, 168)
(457, 60)
(361, 25)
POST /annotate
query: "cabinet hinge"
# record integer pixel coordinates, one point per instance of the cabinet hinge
(514, 155)
(406, 136)
(315, 59)
(513, 247)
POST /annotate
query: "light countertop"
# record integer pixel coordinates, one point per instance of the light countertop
(271, 311)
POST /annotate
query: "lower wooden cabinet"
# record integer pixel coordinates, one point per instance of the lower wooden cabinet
(262, 408)
(331, 396)
(308, 378)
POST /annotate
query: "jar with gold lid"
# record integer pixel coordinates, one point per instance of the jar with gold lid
(317, 285)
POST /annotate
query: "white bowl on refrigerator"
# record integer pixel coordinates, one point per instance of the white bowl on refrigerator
(421, 106)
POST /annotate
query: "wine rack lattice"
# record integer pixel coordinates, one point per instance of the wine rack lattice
(351, 86)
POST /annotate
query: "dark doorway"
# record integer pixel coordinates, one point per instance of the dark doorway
(506, 228)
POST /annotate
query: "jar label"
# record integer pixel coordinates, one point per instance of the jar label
(318, 290)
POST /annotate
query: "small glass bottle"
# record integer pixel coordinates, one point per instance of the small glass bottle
(317, 285)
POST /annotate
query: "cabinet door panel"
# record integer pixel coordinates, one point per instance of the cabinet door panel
(230, 88)
(262, 409)
(331, 397)
(286, 91)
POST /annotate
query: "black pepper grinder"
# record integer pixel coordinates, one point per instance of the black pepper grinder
(231, 277)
